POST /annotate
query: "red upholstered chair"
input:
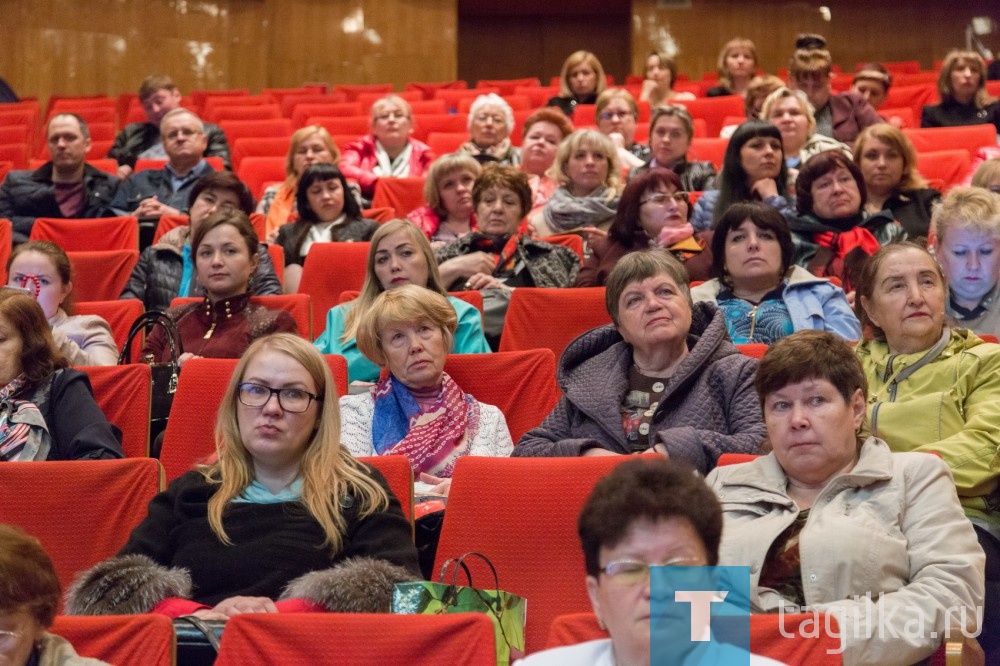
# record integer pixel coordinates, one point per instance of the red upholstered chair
(119, 314)
(189, 437)
(328, 108)
(351, 92)
(6, 234)
(168, 223)
(947, 168)
(81, 510)
(970, 137)
(452, 97)
(101, 276)
(143, 164)
(574, 628)
(330, 270)
(234, 112)
(306, 639)
(344, 125)
(123, 640)
(297, 305)
(443, 143)
(258, 172)
(735, 459)
(428, 88)
(709, 150)
(200, 97)
(714, 110)
(572, 241)
(382, 214)
(522, 384)
(275, 146)
(110, 383)
(899, 116)
(538, 95)
(914, 97)
(101, 233)
(428, 106)
(402, 194)
(367, 99)
(508, 86)
(16, 153)
(256, 129)
(754, 349)
(424, 124)
(289, 102)
(399, 474)
(280, 94)
(521, 513)
(551, 318)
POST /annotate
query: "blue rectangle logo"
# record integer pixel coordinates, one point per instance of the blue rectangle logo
(699, 615)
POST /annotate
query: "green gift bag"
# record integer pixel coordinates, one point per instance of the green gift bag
(505, 609)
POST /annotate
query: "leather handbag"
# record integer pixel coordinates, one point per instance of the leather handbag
(197, 640)
(164, 375)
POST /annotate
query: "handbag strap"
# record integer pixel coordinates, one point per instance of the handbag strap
(203, 627)
(460, 563)
(153, 318)
(493, 604)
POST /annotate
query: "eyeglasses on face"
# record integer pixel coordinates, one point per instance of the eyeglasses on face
(391, 115)
(289, 399)
(8, 639)
(631, 572)
(611, 115)
(662, 199)
(173, 135)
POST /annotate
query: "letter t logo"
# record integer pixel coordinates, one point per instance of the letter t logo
(701, 603)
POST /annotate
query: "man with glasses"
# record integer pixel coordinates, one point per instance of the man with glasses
(158, 95)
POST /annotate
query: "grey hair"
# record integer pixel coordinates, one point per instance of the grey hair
(493, 99)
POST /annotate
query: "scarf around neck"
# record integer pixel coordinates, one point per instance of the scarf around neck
(565, 211)
(393, 168)
(24, 435)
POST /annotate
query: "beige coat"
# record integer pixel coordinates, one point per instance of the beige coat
(56, 651)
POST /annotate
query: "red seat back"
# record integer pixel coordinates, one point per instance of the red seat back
(123, 640)
(101, 276)
(970, 137)
(944, 168)
(551, 318)
(402, 194)
(331, 269)
(399, 474)
(119, 314)
(110, 383)
(101, 233)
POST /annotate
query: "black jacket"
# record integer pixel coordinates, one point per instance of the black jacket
(157, 182)
(26, 195)
(78, 427)
(139, 137)
(952, 114)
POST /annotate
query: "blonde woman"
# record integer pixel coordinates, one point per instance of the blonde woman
(736, 66)
(283, 499)
(964, 99)
(616, 115)
(449, 213)
(581, 80)
(658, 86)
(590, 183)
(793, 115)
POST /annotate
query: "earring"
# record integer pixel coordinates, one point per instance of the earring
(600, 623)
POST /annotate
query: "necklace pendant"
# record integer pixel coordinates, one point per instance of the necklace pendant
(209, 332)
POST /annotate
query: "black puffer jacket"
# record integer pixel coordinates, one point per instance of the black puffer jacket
(139, 137)
(156, 279)
(26, 195)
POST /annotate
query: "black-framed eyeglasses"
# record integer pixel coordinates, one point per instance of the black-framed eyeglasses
(289, 399)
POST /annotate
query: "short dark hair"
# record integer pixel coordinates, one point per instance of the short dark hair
(626, 228)
(763, 216)
(506, 177)
(323, 172)
(226, 181)
(732, 181)
(818, 166)
(39, 355)
(27, 576)
(642, 265)
(153, 83)
(865, 287)
(84, 128)
(650, 489)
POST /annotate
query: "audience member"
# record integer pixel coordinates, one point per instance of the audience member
(166, 269)
(616, 115)
(761, 293)
(491, 120)
(653, 213)
(737, 65)
(389, 151)
(327, 213)
(872, 82)
(44, 269)
(308, 145)
(65, 186)
(671, 130)
(757, 91)
(544, 130)
(791, 112)
(159, 96)
(753, 169)
(224, 324)
(966, 232)
(400, 254)
(581, 80)
(282, 500)
(658, 86)
(987, 175)
(449, 213)
(964, 98)
(663, 377)
(833, 520)
(47, 409)
(152, 193)
(888, 162)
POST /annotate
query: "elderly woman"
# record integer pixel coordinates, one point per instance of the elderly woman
(888, 162)
(763, 296)
(837, 522)
(736, 67)
(283, 499)
(225, 323)
(449, 213)
(544, 130)
(964, 99)
(653, 213)
(987, 175)
(327, 213)
(44, 269)
(581, 80)
(833, 233)
(966, 228)
(752, 169)
(491, 120)
(791, 112)
(400, 254)
(658, 86)
(418, 410)
(47, 410)
(309, 145)
(872, 82)
(671, 130)
(664, 377)
(589, 177)
(616, 114)
(644, 513)
(29, 599)
(389, 151)
(166, 268)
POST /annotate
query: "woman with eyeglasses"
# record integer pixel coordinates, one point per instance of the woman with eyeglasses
(282, 512)
(616, 114)
(491, 120)
(762, 294)
(652, 212)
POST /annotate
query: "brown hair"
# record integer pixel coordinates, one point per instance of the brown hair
(505, 177)
(626, 228)
(444, 166)
(865, 287)
(300, 135)
(759, 88)
(552, 115)
(576, 59)
(763, 217)
(958, 57)
(818, 166)
(151, 84)
(672, 111)
(60, 262)
(810, 61)
(39, 355)
(666, 63)
(737, 43)
(642, 265)
(237, 219)
(227, 182)
(28, 578)
(894, 138)
(407, 303)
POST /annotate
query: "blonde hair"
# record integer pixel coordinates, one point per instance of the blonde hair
(300, 135)
(610, 94)
(408, 303)
(810, 61)
(373, 287)
(760, 87)
(986, 173)
(329, 473)
(966, 208)
(593, 139)
(391, 100)
(895, 139)
(574, 60)
(784, 93)
(441, 167)
(733, 44)
(959, 57)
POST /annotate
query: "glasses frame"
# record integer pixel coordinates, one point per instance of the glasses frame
(275, 392)
(677, 197)
(685, 561)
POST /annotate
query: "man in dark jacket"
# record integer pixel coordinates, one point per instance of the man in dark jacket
(158, 95)
(65, 186)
